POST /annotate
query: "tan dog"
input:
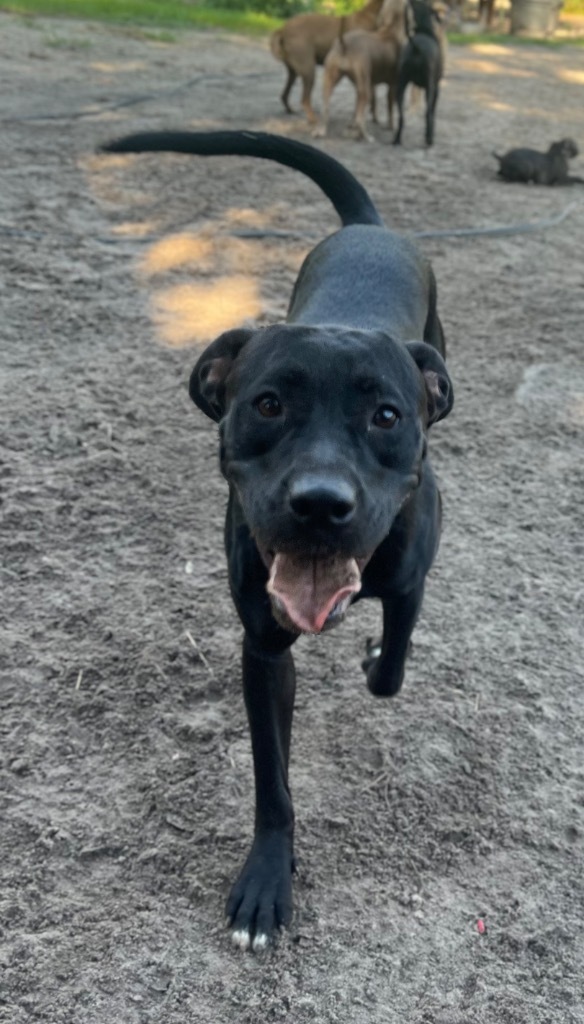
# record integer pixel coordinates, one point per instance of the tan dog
(367, 59)
(304, 41)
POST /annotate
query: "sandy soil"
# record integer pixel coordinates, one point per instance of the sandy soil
(125, 766)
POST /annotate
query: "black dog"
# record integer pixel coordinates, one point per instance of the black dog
(420, 64)
(322, 424)
(549, 168)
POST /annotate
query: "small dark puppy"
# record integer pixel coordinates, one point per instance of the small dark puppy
(549, 168)
(323, 425)
(420, 64)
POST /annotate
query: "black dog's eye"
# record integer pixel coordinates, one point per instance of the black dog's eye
(268, 406)
(385, 417)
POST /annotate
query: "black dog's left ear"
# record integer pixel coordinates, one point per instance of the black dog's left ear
(207, 383)
(439, 393)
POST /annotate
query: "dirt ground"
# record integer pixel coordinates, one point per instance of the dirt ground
(125, 766)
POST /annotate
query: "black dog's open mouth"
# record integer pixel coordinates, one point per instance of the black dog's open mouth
(310, 594)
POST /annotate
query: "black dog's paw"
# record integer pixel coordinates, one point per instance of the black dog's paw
(385, 675)
(372, 654)
(260, 902)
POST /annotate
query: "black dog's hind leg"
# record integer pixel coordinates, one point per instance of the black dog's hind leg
(385, 667)
(401, 88)
(261, 899)
(431, 101)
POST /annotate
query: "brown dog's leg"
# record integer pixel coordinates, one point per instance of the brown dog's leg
(364, 99)
(292, 76)
(332, 77)
(308, 75)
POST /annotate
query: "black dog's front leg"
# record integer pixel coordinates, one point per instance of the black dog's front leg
(261, 899)
(385, 663)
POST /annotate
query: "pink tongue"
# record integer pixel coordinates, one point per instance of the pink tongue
(306, 590)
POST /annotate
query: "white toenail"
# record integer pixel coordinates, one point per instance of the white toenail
(240, 938)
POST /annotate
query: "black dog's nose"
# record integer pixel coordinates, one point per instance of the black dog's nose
(318, 499)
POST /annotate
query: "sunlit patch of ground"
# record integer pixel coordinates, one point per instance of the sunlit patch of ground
(117, 68)
(180, 250)
(571, 75)
(108, 185)
(189, 313)
(487, 67)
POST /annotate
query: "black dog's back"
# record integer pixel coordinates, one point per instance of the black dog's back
(550, 168)
(519, 164)
(422, 61)
(385, 295)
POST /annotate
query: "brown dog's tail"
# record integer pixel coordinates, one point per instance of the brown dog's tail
(349, 198)
(277, 44)
(342, 30)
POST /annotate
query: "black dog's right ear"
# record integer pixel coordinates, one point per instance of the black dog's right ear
(207, 383)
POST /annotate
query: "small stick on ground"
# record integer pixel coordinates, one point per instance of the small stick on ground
(194, 643)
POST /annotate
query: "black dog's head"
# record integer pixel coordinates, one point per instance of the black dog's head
(422, 18)
(565, 147)
(323, 439)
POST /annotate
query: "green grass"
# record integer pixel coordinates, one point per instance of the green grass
(158, 37)
(165, 14)
(159, 13)
(64, 43)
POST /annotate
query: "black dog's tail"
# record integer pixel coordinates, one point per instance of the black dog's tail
(349, 198)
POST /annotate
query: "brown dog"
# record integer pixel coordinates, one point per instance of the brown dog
(367, 59)
(304, 41)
